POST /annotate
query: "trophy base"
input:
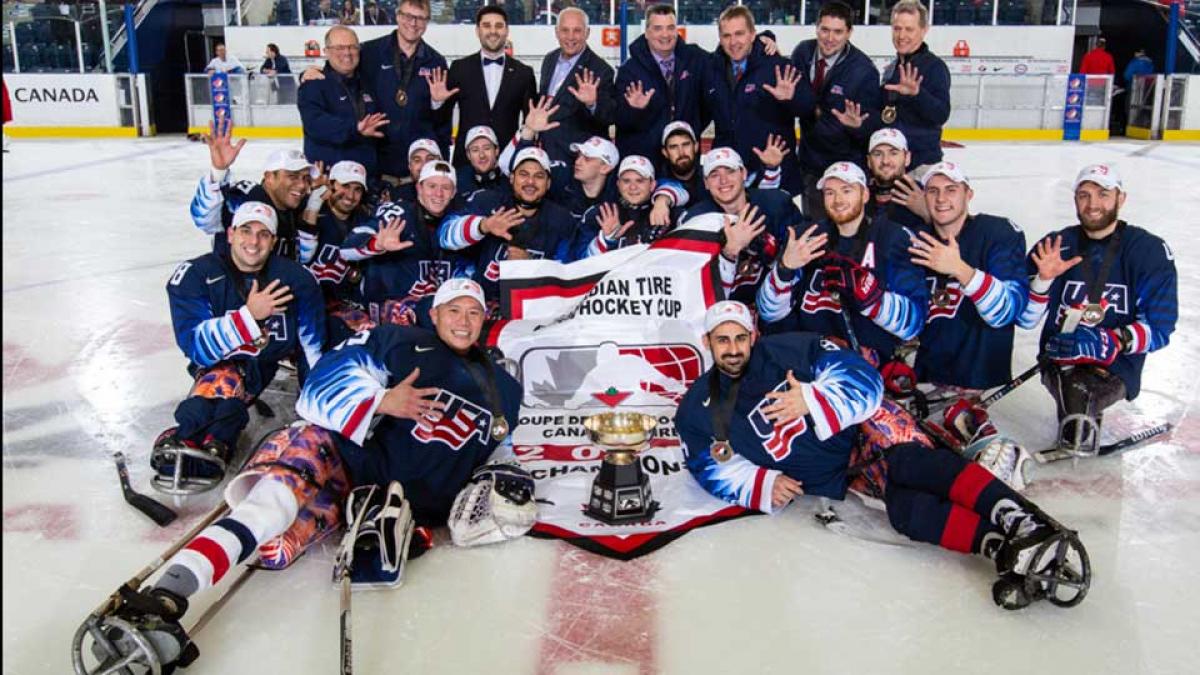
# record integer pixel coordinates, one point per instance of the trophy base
(620, 495)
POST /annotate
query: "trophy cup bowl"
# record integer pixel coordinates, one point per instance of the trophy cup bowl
(621, 490)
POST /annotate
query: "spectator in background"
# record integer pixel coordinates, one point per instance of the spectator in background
(1140, 64)
(324, 16)
(1098, 61)
(349, 13)
(374, 16)
(274, 63)
(223, 62)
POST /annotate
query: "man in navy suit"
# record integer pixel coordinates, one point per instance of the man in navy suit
(580, 83)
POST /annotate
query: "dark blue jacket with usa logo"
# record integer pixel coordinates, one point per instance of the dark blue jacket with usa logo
(330, 110)
(968, 337)
(840, 389)
(433, 460)
(823, 139)
(639, 132)
(212, 323)
(382, 67)
(744, 114)
(921, 118)
(1139, 294)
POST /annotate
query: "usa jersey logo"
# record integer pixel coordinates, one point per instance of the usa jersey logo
(461, 421)
(432, 273)
(944, 301)
(275, 329)
(329, 265)
(777, 439)
(816, 299)
(1115, 297)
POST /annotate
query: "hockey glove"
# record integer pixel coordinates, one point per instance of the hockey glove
(968, 421)
(834, 281)
(867, 289)
(1084, 346)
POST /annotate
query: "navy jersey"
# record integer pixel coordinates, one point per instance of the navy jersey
(840, 389)
(742, 278)
(1139, 293)
(882, 247)
(214, 203)
(547, 234)
(591, 241)
(569, 194)
(213, 324)
(433, 459)
(882, 206)
(413, 273)
(921, 117)
(338, 276)
(471, 181)
(968, 338)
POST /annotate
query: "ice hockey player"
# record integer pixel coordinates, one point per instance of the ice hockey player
(402, 261)
(420, 152)
(895, 194)
(286, 183)
(848, 268)
(433, 426)
(516, 223)
(482, 170)
(236, 315)
(782, 416)
(977, 284)
(761, 226)
(610, 226)
(1108, 290)
(335, 210)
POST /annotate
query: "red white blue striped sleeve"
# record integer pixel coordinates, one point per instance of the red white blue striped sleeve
(208, 201)
(998, 302)
(461, 231)
(1036, 304)
(673, 191)
(771, 179)
(898, 314)
(360, 245)
(845, 390)
(343, 392)
(774, 299)
(736, 480)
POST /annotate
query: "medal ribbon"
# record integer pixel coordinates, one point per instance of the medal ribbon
(482, 372)
(721, 408)
(1095, 284)
(404, 67)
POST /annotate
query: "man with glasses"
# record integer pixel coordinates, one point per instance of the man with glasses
(397, 69)
(341, 119)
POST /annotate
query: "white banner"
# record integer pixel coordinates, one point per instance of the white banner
(63, 100)
(617, 331)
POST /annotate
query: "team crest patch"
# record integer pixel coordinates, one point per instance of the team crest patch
(749, 88)
(777, 438)
(424, 72)
(461, 421)
(836, 90)
(683, 75)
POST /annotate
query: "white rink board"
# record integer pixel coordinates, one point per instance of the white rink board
(92, 230)
(60, 99)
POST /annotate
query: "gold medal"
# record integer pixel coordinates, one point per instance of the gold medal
(261, 341)
(721, 451)
(353, 276)
(889, 114)
(1093, 314)
(499, 428)
(402, 98)
(941, 298)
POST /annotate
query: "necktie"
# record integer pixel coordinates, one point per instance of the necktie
(739, 69)
(668, 70)
(819, 79)
(499, 61)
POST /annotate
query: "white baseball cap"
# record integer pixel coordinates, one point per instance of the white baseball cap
(346, 171)
(597, 147)
(289, 160)
(950, 170)
(726, 157)
(1104, 175)
(481, 131)
(845, 171)
(728, 310)
(536, 154)
(425, 144)
(639, 164)
(459, 287)
(676, 127)
(438, 167)
(888, 136)
(256, 212)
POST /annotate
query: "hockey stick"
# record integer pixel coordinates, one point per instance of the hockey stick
(1056, 454)
(341, 575)
(1007, 389)
(833, 522)
(161, 514)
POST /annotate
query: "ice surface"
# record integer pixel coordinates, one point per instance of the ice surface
(92, 230)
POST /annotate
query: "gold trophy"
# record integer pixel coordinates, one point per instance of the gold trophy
(621, 491)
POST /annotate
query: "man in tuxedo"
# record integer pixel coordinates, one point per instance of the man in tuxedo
(580, 83)
(489, 88)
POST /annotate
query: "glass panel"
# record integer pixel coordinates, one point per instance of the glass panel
(321, 13)
(774, 12)
(45, 36)
(266, 12)
(597, 10)
(1029, 12)
(702, 12)
(963, 12)
(881, 11)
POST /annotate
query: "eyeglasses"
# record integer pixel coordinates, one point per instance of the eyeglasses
(343, 48)
(413, 18)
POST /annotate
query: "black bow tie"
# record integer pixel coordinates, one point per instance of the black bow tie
(497, 61)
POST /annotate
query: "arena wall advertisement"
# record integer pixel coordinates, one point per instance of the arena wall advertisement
(620, 331)
(63, 100)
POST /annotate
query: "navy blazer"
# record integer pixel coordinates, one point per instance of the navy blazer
(575, 122)
(639, 132)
